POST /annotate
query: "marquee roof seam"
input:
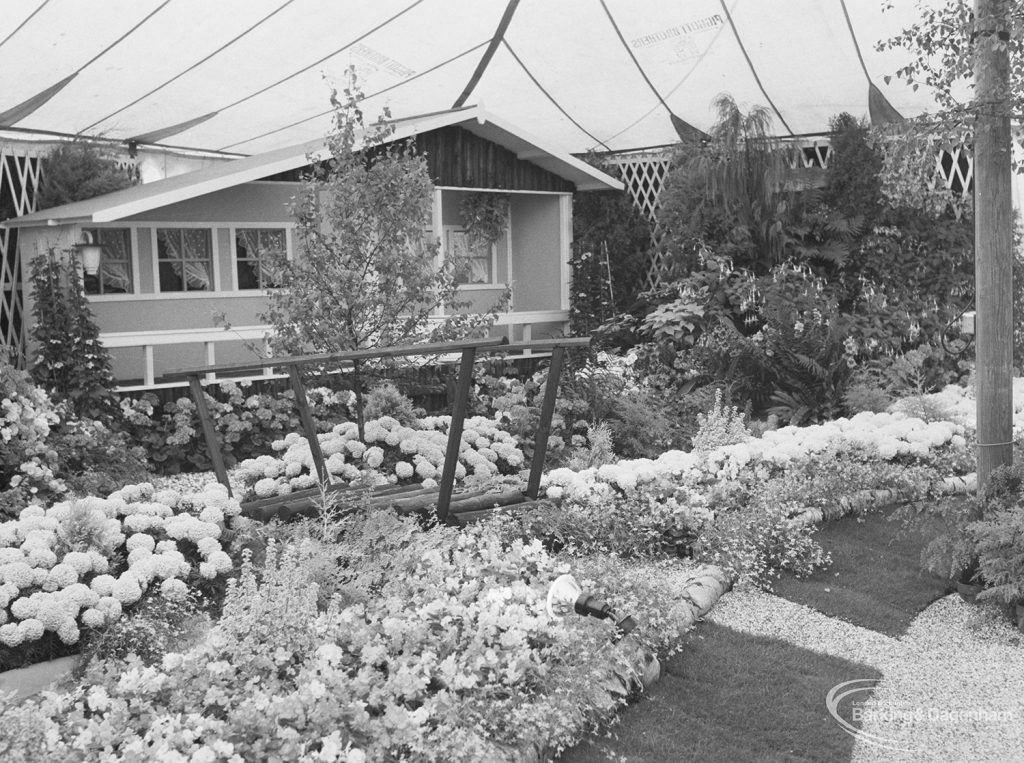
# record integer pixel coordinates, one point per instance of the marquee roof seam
(305, 69)
(753, 69)
(23, 23)
(371, 95)
(639, 68)
(198, 63)
(201, 74)
(551, 98)
(481, 67)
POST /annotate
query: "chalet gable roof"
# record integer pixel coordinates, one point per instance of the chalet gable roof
(143, 198)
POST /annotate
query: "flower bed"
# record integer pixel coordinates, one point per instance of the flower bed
(78, 564)
(886, 435)
(438, 647)
(246, 423)
(389, 452)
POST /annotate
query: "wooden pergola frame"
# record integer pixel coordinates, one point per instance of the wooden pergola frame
(461, 508)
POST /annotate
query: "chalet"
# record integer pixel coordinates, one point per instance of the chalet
(179, 251)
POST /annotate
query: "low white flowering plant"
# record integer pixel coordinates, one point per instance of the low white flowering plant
(389, 452)
(437, 647)
(78, 564)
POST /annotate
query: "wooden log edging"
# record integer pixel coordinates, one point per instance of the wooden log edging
(864, 500)
(699, 595)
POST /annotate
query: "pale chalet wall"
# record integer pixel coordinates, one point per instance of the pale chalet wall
(528, 257)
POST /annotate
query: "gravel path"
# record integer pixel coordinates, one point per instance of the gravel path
(952, 686)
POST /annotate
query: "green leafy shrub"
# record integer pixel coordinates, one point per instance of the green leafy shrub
(650, 523)
(247, 423)
(778, 291)
(155, 626)
(755, 544)
(80, 170)
(386, 400)
(998, 536)
(70, 362)
(611, 243)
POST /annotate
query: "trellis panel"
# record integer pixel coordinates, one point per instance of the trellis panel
(20, 173)
(644, 174)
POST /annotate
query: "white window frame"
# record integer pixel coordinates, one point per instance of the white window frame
(133, 254)
(215, 275)
(288, 229)
(494, 283)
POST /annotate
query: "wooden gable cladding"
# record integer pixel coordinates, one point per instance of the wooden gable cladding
(458, 158)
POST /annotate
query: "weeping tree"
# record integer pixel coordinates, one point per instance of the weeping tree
(736, 195)
(728, 191)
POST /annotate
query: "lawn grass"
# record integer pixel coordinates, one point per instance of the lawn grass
(729, 696)
(875, 579)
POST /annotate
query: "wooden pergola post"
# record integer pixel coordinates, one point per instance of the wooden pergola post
(993, 237)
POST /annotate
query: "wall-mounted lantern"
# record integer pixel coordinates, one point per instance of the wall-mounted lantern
(89, 253)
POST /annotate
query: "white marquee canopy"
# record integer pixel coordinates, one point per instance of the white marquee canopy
(248, 76)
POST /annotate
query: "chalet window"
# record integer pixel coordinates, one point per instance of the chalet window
(185, 257)
(479, 255)
(258, 255)
(115, 272)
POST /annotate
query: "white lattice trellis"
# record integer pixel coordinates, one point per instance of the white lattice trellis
(20, 173)
(644, 173)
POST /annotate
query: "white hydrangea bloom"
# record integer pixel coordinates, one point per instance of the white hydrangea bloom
(40, 557)
(97, 561)
(30, 512)
(68, 632)
(53, 612)
(140, 540)
(127, 589)
(31, 630)
(404, 470)
(110, 607)
(140, 523)
(8, 592)
(221, 561)
(207, 546)
(136, 555)
(80, 594)
(265, 487)
(60, 576)
(93, 618)
(10, 635)
(169, 498)
(305, 481)
(25, 607)
(211, 514)
(79, 560)
(374, 457)
(174, 589)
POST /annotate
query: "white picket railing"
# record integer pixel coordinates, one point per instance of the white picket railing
(211, 337)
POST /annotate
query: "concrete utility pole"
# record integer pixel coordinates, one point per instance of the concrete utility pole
(993, 236)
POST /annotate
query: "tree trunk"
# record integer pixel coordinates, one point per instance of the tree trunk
(993, 237)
